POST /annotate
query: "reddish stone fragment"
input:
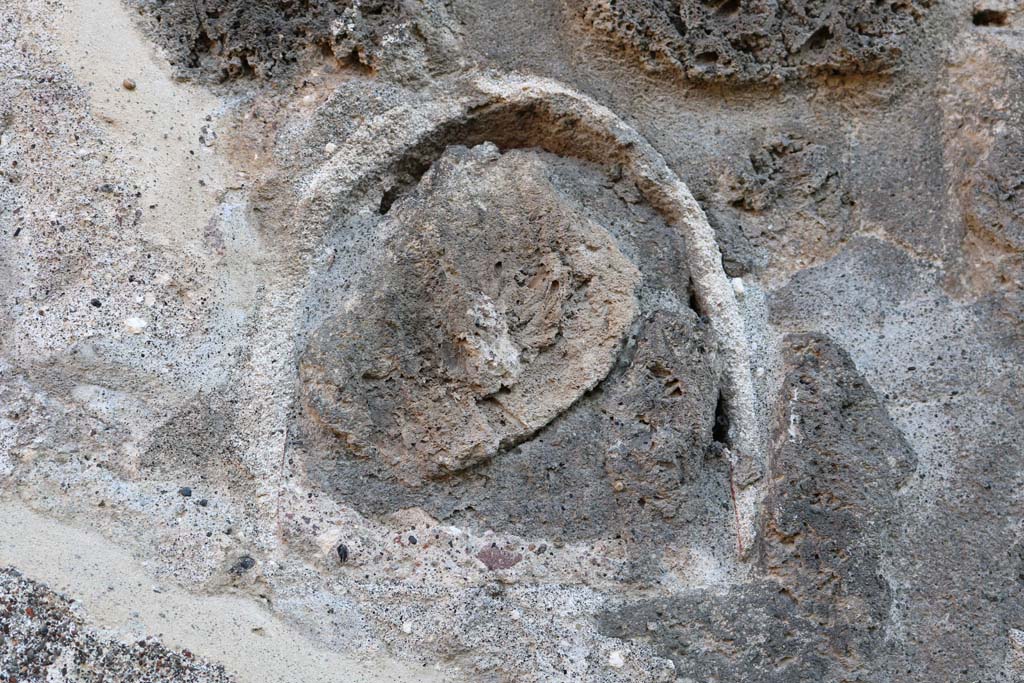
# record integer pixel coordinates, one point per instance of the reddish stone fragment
(497, 558)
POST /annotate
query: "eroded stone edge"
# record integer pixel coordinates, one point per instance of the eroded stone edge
(369, 154)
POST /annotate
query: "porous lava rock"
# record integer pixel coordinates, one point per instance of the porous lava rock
(490, 309)
(220, 40)
(984, 123)
(786, 196)
(758, 40)
(616, 367)
(818, 607)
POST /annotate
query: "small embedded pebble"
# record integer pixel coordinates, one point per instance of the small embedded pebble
(412, 539)
(96, 303)
(738, 287)
(330, 148)
(407, 628)
(128, 84)
(207, 136)
(204, 503)
(498, 558)
(616, 660)
(135, 325)
(343, 553)
(185, 491)
(245, 563)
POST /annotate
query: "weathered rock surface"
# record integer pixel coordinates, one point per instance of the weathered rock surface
(819, 605)
(493, 341)
(786, 194)
(758, 40)
(229, 39)
(492, 309)
(986, 153)
(573, 391)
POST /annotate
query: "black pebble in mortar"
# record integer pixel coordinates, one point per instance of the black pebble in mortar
(245, 563)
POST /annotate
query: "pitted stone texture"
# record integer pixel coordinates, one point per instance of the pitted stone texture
(662, 408)
(984, 125)
(627, 459)
(491, 308)
(835, 470)
(226, 39)
(994, 201)
(43, 639)
(786, 198)
(818, 608)
(758, 40)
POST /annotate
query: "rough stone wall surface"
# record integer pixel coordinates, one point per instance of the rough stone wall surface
(220, 40)
(818, 607)
(501, 324)
(43, 639)
(758, 40)
(474, 340)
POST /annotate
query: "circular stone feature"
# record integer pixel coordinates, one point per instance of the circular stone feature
(489, 307)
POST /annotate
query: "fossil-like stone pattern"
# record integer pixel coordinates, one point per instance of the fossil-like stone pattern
(491, 309)
(880, 210)
(611, 378)
(758, 40)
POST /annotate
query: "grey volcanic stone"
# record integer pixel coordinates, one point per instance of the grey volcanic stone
(228, 39)
(835, 472)
(758, 40)
(220, 40)
(266, 274)
(515, 291)
(819, 606)
(490, 310)
(986, 127)
(786, 192)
